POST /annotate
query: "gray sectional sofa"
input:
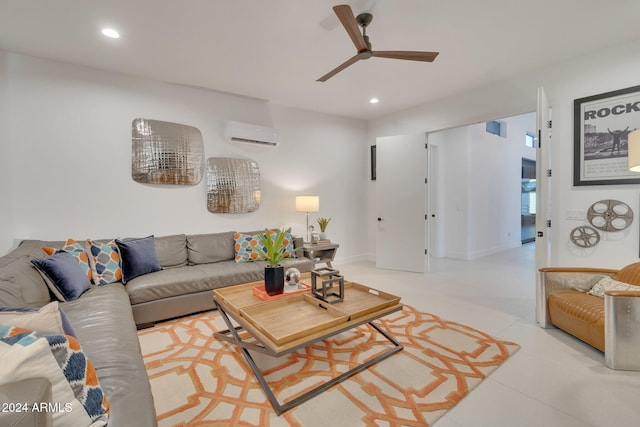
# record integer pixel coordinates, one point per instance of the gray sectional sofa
(104, 318)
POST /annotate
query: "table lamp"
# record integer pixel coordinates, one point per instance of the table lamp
(307, 204)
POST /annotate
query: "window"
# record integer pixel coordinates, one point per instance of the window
(530, 139)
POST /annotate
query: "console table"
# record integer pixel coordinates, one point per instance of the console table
(320, 252)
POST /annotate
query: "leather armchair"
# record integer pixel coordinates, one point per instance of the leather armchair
(612, 325)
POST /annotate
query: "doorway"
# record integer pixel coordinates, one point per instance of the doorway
(528, 201)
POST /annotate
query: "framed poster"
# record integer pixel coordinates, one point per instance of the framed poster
(601, 128)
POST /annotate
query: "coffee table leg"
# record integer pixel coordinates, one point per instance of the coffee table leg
(324, 387)
(280, 409)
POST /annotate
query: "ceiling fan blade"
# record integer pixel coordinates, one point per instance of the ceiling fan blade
(339, 68)
(345, 15)
(402, 54)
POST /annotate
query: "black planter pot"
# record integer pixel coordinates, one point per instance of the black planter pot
(274, 280)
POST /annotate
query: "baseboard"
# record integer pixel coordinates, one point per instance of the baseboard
(468, 256)
(494, 250)
(350, 259)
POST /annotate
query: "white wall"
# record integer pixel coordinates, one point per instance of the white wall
(70, 132)
(6, 217)
(596, 73)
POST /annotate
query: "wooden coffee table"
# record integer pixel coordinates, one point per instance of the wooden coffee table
(283, 325)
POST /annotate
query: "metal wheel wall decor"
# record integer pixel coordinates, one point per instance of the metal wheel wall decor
(166, 153)
(233, 185)
(610, 215)
(604, 215)
(584, 236)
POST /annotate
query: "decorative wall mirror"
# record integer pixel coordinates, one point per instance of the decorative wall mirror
(166, 153)
(233, 185)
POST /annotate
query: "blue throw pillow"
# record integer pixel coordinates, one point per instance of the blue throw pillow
(64, 276)
(137, 257)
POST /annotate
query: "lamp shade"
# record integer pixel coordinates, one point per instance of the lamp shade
(307, 203)
(634, 151)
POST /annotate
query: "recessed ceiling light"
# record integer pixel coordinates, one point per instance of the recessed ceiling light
(111, 33)
(374, 100)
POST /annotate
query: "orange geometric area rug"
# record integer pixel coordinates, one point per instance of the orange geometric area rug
(198, 380)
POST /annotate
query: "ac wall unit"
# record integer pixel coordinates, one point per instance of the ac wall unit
(252, 134)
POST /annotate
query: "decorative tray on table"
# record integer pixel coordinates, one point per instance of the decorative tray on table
(284, 320)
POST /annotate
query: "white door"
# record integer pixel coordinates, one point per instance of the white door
(543, 182)
(401, 194)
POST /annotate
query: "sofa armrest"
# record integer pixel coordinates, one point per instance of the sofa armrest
(17, 400)
(554, 279)
(622, 330)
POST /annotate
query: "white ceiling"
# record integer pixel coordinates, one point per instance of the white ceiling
(276, 49)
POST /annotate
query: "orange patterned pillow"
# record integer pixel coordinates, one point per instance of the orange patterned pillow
(105, 262)
(244, 247)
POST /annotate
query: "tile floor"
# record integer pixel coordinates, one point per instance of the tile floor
(554, 380)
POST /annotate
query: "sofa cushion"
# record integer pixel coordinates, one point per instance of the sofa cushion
(104, 324)
(169, 283)
(171, 250)
(105, 262)
(10, 294)
(60, 359)
(21, 285)
(48, 318)
(137, 257)
(63, 275)
(230, 273)
(207, 248)
(609, 284)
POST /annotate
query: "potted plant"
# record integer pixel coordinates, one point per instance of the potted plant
(272, 251)
(323, 222)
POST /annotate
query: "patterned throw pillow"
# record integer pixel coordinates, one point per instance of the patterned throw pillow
(29, 354)
(105, 262)
(245, 246)
(608, 284)
(77, 251)
(289, 251)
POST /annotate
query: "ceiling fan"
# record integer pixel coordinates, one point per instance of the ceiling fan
(361, 41)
